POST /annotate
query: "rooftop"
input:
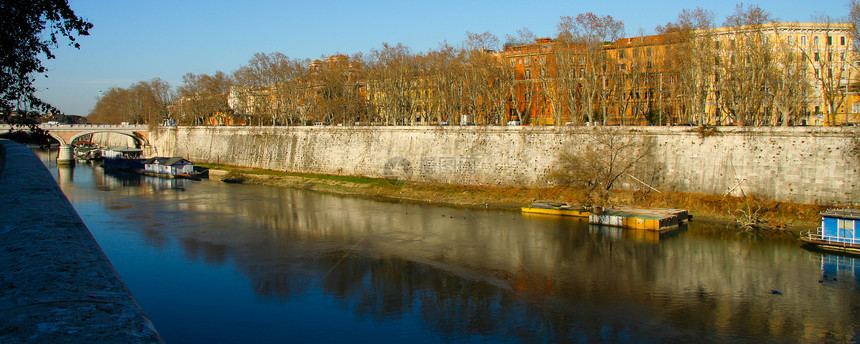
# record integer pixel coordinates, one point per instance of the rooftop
(853, 214)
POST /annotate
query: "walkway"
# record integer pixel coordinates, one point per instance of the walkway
(56, 285)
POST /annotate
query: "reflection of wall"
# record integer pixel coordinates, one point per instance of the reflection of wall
(798, 164)
(386, 257)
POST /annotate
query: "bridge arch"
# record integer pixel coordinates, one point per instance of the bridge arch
(139, 140)
(67, 134)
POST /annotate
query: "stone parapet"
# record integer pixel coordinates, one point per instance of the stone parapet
(56, 284)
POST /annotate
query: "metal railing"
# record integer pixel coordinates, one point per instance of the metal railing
(818, 236)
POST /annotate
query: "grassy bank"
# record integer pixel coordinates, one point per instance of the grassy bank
(788, 215)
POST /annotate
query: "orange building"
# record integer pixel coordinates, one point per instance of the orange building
(532, 85)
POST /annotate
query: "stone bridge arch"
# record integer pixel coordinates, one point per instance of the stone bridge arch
(67, 134)
(64, 139)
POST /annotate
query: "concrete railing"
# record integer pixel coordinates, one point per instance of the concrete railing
(56, 284)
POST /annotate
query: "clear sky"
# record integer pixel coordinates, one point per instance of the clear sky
(140, 40)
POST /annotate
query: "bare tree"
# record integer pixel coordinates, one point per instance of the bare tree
(145, 102)
(613, 154)
(690, 62)
(748, 66)
(789, 85)
(202, 96)
(829, 55)
(445, 82)
(390, 79)
(481, 74)
(589, 32)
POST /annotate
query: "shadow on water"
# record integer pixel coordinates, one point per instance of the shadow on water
(462, 275)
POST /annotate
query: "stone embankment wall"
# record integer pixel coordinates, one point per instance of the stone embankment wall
(112, 139)
(56, 285)
(795, 164)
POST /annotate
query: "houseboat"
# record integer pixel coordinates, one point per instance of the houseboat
(555, 208)
(837, 231)
(652, 219)
(169, 167)
(123, 158)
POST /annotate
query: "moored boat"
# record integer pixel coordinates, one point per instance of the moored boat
(173, 167)
(555, 208)
(838, 232)
(652, 219)
(123, 158)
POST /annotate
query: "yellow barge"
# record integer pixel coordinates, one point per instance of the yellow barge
(555, 208)
(652, 219)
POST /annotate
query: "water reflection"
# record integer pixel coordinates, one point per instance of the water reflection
(473, 275)
(836, 267)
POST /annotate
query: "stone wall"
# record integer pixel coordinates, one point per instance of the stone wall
(796, 164)
(57, 284)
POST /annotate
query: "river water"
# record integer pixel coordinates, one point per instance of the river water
(211, 262)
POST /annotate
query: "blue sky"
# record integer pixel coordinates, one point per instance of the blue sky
(140, 40)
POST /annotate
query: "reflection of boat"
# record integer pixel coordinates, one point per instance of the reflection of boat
(837, 231)
(635, 235)
(654, 219)
(836, 268)
(555, 208)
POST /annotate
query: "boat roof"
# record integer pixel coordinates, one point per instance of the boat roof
(853, 214)
(124, 149)
(167, 161)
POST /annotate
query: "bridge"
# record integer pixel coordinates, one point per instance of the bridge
(66, 134)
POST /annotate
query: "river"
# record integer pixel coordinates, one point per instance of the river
(212, 262)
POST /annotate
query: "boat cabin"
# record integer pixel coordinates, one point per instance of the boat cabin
(840, 225)
(168, 165)
(122, 152)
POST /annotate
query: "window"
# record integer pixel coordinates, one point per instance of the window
(829, 40)
(829, 57)
(802, 40)
(815, 40)
(648, 52)
(842, 56)
(621, 66)
(621, 54)
(855, 108)
(817, 57)
(790, 40)
(717, 44)
(528, 74)
(528, 61)
(847, 225)
(842, 40)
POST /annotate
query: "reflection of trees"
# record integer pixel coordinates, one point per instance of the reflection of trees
(472, 273)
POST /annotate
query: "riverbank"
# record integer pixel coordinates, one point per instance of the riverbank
(57, 284)
(790, 216)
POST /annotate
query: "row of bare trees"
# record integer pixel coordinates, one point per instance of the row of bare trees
(742, 73)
